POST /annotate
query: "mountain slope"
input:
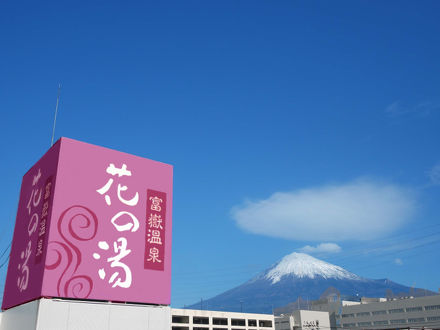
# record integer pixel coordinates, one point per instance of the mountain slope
(297, 275)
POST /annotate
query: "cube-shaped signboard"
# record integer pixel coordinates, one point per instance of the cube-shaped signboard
(92, 223)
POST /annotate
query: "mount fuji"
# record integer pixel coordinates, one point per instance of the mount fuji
(297, 275)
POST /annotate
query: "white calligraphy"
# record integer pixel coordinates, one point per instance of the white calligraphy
(119, 247)
(122, 221)
(34, 201)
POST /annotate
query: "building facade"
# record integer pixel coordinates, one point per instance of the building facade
(370, 313)
(303, 320)
(62, 314)
(190, 319)
(422, 312)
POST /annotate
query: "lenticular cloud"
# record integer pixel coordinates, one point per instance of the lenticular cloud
(358, 210)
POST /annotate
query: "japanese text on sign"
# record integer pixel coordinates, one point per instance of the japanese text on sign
(123, 221)
(33, 214)
(155, 230)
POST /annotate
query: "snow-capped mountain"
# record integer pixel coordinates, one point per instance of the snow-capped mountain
(297, 275)
(302, 265)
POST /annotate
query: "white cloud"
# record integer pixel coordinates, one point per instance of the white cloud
(321, 248)
(434, 175)
(358, 210)
(397, 109)
(398, 261)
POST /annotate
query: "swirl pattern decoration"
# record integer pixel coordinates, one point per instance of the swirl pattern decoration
(76, 224)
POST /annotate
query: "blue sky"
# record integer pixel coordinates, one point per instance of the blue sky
(292, 126)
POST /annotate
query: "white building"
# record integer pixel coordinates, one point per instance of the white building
(62, 314)
(303, 320)
(190, 319)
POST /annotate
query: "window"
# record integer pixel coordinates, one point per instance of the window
(397, 310)
(433, 318)
(179, 328)
(380, 322)
(180, 319)
(347, 315)
(219, 321)
(348, 325)
(401, 321)
(241, 322)
(265, 323)
(364, 324)
(253, 323)
(414, 309)
(432, 307)
(416, 320)
(200, 320)
(363, 314)
(379, 312)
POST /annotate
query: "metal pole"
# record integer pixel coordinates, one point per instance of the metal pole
(56, 112)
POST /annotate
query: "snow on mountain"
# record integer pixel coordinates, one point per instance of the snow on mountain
(302, 265)
(297, 275)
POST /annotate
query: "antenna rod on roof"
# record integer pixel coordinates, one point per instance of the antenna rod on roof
(56, 112)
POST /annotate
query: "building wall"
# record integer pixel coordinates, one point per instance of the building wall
(400, 313)
(303, 320)
(311, 320)
(284, 322)
(20, 317)
(55, 314)
(189, 319)
(333, 307)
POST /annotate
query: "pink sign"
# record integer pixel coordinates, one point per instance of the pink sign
(155, 229)
(92, 223)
